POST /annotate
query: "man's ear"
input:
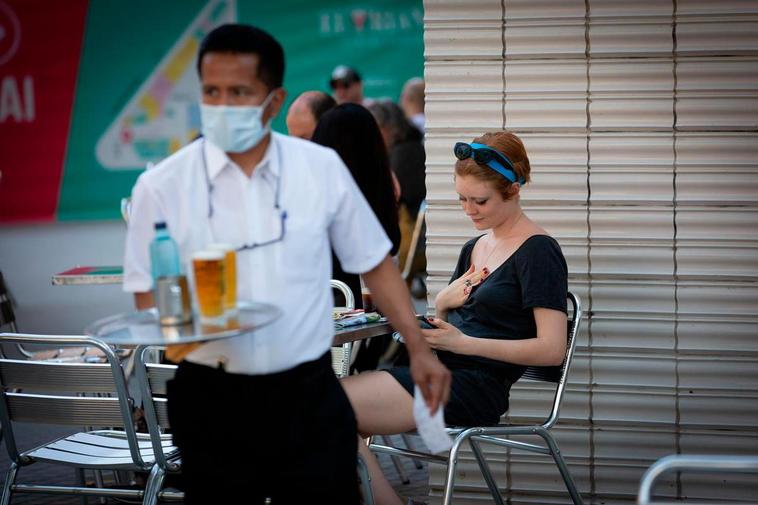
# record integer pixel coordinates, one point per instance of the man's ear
(277, 101)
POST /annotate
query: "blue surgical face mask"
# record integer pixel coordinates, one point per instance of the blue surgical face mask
(235, 128)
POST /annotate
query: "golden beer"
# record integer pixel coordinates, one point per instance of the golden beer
(208, 267)
(230, 274)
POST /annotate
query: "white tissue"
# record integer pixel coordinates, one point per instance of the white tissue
(430, 427)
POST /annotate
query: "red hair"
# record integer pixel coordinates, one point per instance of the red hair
(508, 144)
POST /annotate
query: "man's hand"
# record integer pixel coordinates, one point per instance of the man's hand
(391, 296)
(432, 378)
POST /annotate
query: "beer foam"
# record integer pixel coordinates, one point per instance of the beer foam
(208, 254)
(221, 246)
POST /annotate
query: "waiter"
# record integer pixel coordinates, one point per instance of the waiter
(261, 416)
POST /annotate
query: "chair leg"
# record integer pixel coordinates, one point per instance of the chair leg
(555, 452)
(396, 462)
(452, 461)
(10, 479)
(486, 473)
(407, 442)
(368, 495)
(80, 481)
(99, 483)
(154, 485)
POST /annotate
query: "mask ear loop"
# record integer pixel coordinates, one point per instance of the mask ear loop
(208, 182)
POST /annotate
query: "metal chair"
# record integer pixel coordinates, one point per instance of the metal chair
(8, 318)
(152, 379)
(73, 394)
(496, 435)
(342, 355)
(694, 463)
(126, 208)
(414, 247)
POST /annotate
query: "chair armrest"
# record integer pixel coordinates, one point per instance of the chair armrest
(694, 463)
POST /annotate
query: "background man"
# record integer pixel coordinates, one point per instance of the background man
(255, 413)
(305, 111)
(347, 85)
(412, 102)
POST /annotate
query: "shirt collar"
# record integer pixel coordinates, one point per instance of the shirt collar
(216, 159)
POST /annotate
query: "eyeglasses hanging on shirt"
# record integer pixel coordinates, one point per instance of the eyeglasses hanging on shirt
(282, 213)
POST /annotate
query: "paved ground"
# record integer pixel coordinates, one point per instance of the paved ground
(29, 436)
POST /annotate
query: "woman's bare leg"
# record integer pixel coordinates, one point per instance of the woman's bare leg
(382, 407)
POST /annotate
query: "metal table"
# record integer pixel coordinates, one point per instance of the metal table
(361, 332)
(89, 275)
(143, 327)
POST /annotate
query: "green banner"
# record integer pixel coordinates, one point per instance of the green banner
(137, 90)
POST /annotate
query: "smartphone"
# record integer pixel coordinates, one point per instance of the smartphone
(425, 323)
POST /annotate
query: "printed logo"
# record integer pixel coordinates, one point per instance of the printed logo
(163, 115)
(10, 33)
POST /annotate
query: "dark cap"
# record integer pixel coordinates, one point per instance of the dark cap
(344, 74)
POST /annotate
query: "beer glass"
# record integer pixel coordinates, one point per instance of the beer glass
(230, 274)
(208, 267)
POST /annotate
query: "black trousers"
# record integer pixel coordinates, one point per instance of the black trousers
(289, 436)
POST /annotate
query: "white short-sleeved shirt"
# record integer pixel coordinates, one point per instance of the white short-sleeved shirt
(324, 208)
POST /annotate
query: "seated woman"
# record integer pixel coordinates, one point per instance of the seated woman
(504, 309)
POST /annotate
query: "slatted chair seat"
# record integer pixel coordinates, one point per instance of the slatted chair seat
(97, 449)
(501, 435)
(71, 394)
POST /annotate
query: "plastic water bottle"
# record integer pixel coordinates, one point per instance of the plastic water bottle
(164, 254)
(170, 286)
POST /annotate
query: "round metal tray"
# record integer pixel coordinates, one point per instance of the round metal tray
(143, 327)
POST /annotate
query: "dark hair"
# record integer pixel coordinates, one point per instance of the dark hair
(389, 115)
(351, 130)
(508, 144)
(238, 38)
(320, 103)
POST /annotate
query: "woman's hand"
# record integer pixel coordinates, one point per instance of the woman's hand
(446, 337)
(457, 292)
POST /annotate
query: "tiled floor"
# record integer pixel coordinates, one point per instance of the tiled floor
(32, 435)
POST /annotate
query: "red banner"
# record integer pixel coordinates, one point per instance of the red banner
(40, 45)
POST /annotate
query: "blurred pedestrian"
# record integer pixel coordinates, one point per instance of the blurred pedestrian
(412, 102)
(351, 130)
(305, 111)
(347, 85)
(408, 163)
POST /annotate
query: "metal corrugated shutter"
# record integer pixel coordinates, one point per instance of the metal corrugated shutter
(641, 121)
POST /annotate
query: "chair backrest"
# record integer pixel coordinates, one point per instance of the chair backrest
(413, 247)
(341, 355)
(557, 374)
(696, 463)
(126, 208)
(74, 394)
(152, 379)
(7, 316)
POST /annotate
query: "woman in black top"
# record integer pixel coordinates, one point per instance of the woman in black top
(504, 309)
(351, 130)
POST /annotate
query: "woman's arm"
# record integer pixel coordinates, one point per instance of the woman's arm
(546, 349)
